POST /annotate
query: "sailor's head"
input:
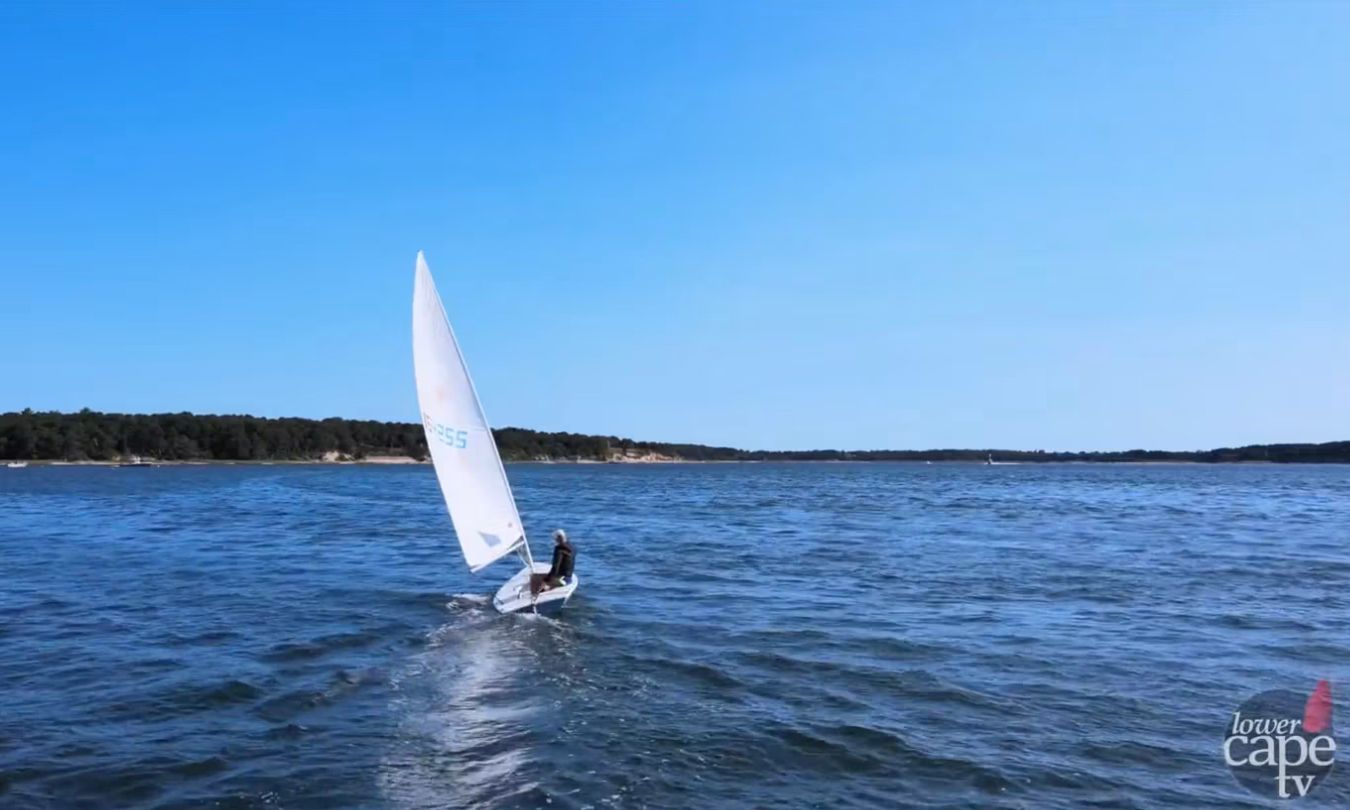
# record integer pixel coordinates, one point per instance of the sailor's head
(559, 537)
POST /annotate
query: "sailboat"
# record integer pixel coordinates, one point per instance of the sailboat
(468, 466)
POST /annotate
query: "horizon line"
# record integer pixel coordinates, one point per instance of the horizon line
(650, 442)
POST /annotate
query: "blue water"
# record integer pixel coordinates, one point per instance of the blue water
(776, 635)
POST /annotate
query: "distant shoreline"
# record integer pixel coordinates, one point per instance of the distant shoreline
(405, 461)
(379, 461)
(185, 438)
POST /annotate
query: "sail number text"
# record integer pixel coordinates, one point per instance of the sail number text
(448, 436)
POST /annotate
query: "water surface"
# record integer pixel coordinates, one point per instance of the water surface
(760, 635)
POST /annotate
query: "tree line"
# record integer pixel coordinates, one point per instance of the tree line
(94, 436)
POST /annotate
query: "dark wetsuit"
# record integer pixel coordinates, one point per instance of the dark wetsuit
(563, 558)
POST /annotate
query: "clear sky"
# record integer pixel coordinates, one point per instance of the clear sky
(770, 225)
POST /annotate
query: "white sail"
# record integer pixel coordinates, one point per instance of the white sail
(468, 467)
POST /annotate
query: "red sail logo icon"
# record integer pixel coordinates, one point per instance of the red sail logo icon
(1317, 712)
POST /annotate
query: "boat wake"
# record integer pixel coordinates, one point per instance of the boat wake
(467, 719)
(461, 599)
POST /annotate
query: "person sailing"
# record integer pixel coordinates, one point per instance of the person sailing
(564, 556)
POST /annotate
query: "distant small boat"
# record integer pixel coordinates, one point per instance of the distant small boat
(137, 461)
(17, 465)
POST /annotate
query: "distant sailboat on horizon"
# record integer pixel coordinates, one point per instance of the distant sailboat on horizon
(468, 466)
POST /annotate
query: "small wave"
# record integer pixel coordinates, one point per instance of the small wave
(289, 705)
(1249, 622)
(696, 671)
(187, 699)
(470, 598)
(200, 767)
(205, 637)
(1138, 753)
(227, 693)
(300, 651)
(858, 749)
(287, 731)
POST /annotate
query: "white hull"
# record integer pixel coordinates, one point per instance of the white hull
(515, 594)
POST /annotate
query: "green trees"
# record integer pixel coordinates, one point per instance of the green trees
(183, 436)
(90, 435)
(21, 442)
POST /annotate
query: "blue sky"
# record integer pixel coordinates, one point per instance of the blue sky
(777, 225)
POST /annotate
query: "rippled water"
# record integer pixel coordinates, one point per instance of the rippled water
(827, 635)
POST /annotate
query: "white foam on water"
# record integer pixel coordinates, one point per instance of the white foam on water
(527, 616)
(459, 744)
